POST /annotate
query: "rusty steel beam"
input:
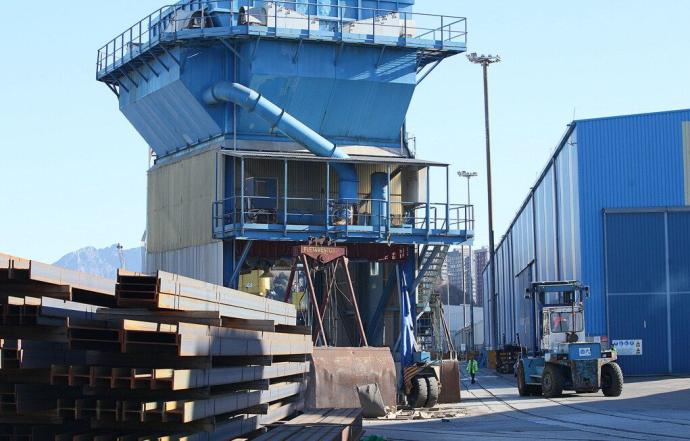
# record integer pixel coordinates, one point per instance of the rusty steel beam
(174, 292)
(353, 298)
(327, 294)
(314, 302)
(34, 271)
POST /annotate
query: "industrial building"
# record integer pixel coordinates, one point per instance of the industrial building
(455, 288)
(481, 257)
(611, 209)
(277, 125)
(454, 270)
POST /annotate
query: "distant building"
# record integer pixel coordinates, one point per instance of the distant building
(454, 265)
(481, 257)
(460, 271)
(469, 275)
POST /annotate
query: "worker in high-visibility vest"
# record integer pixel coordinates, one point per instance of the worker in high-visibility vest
(472, 367)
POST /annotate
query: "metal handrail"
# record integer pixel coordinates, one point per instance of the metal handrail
(235, 211)
(148, 31)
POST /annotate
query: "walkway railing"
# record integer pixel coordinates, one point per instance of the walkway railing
(285, 19)
(376, 215)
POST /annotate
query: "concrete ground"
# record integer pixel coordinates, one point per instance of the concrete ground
(648, 409)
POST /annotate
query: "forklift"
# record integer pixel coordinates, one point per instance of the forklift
(566, 359)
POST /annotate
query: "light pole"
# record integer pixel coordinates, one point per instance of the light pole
(485, 61)
(468, 175)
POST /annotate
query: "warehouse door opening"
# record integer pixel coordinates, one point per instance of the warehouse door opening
(648, 289)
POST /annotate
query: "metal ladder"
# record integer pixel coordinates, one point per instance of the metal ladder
(430, 263)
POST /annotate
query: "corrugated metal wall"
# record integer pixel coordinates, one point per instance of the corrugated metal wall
(624, 162)
(679, 289)
(361, 99)
(686, 159)
(489, 339)
(203, 262)
(522, 235)
(637, 295)
(648, 287)
(541, 244)
(178, 218)
(545, 227)
(506, 287)
(568, 199)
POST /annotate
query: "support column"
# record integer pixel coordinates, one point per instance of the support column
(428, 208)
(285, 196)
(314, 303)
(238, 265)
(448, 201)
(328, 195)
(388, 201)
(326, 295)
(242, 195)
(669, 336)
(291, 280)
(353, 298)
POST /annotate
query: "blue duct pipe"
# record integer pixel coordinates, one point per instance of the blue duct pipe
(379, 196)
(252, 101)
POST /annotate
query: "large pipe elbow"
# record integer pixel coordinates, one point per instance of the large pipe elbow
(235, 93)
(253, 102)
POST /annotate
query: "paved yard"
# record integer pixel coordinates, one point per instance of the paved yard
(649, 409)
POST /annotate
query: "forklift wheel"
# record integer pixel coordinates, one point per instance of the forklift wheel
(551, 381)
(432, 391)
(523, 389)
(419, 394)
(611, 379)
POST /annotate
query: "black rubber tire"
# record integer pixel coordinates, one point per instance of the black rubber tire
(418, 395)
(611, 379)
(523, 389)
(433, 390)
(552, 381)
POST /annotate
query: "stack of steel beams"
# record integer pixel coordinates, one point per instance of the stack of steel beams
(172, 292)
(319, 424)
(148, 357)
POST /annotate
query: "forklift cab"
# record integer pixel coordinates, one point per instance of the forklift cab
(561, 325)
(559, 313)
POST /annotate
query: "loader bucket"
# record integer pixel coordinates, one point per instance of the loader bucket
(336, 372)
(450, 382)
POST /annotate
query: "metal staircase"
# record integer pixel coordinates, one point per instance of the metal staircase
(431, 260)
(428, 304)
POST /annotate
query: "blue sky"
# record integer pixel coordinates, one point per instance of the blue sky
(73, 171)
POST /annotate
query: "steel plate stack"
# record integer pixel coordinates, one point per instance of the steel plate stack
(149, 357)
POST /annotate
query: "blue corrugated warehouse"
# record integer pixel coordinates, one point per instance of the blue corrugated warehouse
(610, 209)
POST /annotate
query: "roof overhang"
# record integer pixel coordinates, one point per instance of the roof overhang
(354, 159)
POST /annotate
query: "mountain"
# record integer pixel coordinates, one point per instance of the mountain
(102, 262)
